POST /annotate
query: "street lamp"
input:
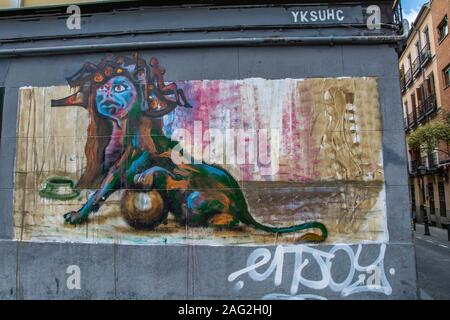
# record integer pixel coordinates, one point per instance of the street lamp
(422, 171)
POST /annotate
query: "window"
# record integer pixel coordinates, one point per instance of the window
(402, 77)
(417, 46)
(413, 104)
(426, 37)
(443, 29)
(419, 92)
(435, 155)
(447, 76)
(413, 198)
(429, 85)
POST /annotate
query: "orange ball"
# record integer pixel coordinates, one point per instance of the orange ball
(143, 209)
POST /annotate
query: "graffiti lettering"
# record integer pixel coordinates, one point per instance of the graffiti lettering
(370, 278)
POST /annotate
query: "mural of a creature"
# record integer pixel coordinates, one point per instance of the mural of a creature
(126, 149)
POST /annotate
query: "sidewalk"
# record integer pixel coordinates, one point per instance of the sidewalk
(437, 234)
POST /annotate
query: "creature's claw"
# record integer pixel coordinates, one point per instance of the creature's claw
(140, 178)
(74, 218)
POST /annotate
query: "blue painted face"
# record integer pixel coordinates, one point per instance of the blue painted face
(115, 98)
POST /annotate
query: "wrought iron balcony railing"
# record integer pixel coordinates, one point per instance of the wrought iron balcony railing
(424, 109)
(416, 66)
(403, 83)
(430, 105)
(413, 165)
(432, 161)
(412, 120)
(408, 77)
(425, 55)
(429, 162)
(424, 162)
(420, 112)
(423, 58)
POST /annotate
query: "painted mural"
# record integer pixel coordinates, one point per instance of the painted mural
(122, 155)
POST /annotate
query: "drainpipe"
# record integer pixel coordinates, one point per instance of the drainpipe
(255, 41)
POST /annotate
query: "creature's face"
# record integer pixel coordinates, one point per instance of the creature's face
(116, 98)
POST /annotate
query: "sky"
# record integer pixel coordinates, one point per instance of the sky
(411, 9)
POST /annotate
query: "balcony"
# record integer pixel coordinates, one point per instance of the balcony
(424, 109)
(445, 160)
(425, 55)
(420, 112)
(412, 120)
(416, 66)
(413, 165)
(430, 162)
(433, 161)
(408, 78)
(403, 84)
(424, 161)
(416, 163)
(423, 58)
(430, 105)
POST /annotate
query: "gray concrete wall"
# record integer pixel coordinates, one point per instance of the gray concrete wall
(38, 270)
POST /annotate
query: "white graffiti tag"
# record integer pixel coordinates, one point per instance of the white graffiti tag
(369, 278)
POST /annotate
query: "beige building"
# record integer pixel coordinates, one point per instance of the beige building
(440, 11)
(423, 102)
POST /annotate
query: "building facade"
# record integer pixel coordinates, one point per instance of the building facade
(228, 150)
(425, 97)
(440, 12)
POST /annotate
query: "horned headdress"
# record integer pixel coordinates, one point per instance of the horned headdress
(155, 103)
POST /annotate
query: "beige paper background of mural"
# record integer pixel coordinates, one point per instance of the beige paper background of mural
(342, 137)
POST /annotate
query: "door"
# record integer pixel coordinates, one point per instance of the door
(431, 199)
(413, 198)
(442, 204)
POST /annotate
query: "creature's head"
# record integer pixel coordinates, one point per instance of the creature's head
(115, 98)
(114, 86)
(115, 89)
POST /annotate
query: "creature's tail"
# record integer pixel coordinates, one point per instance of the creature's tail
(305, 226)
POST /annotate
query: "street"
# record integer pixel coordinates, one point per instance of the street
(433, 264)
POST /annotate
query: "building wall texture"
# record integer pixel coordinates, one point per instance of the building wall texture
(346, 94)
